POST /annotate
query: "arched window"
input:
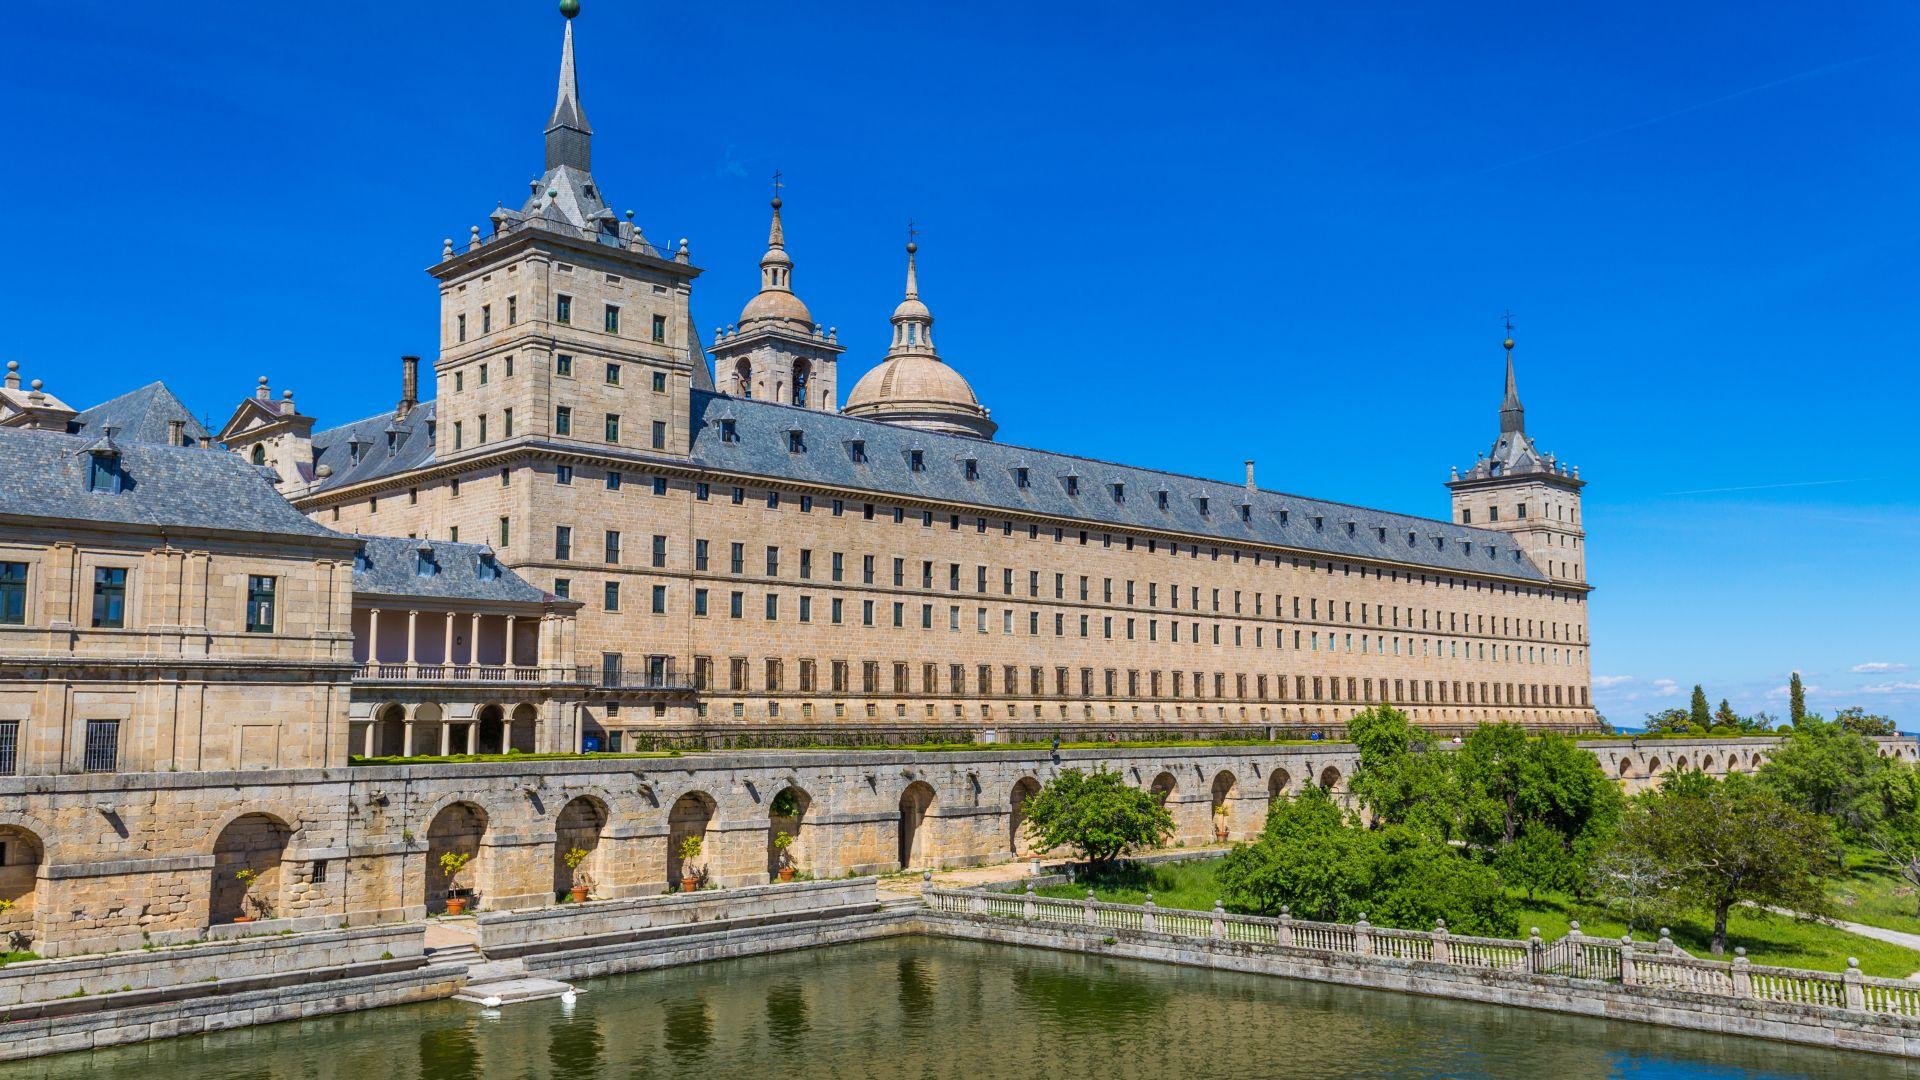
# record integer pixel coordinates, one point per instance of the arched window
(801, 371)
(259, 454)
(743, 379)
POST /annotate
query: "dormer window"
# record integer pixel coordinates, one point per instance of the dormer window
(1383, 534)
(1202, 503)
(259, 454)
(1284, 515)
(1160, 499)
(1073, 484)
(489, 568)
(916, 460)
(857, 451)
(353, 452)
(423, 564)
(970, 468)
(796, 442)
(728, 432)
(1119, 493)
(361, 561)
(1246, 511)
(103, 472)
(1021, 479)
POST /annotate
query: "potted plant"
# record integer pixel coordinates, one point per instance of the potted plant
(582, 879)
(451, 863)
(262, 907)
(1220, 823)
(782, 845)
(689, 871)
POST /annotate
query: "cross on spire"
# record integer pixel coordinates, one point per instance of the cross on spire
(777, 183)
(1507, 317)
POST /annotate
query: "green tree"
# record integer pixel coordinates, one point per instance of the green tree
(1796, 700)
(1861, 722)
(1310, 857)
(1097, 814)
(1671, 722)
(1415, 881)
(1726, 842)
(1895, 834)
(1402, 780)
(1824, 769)
(1699, 714)
(1509, 782)
(1724, 718)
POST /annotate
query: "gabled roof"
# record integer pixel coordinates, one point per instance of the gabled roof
(140, 416)
(161, 486)
(386, 446)
(1208, 508)
(389, 566)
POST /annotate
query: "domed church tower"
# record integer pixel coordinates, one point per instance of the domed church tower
(912, 386)
(776, 352)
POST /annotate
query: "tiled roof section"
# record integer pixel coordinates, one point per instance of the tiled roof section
(389, 566)
(140, 416)
(1194, 506)
(386, 446)
(164, 486)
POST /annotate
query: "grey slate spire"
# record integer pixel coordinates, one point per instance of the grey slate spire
(1513, 418)
(569, 136)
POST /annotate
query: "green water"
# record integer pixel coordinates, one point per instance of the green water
(916, 1007)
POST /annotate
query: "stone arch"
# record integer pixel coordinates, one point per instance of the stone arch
(458, 828)
(802, 379)
(916, 802)
(1224, 783)
(1330, 779)
(743, 378)
(578, 828)
(1706, 763)
(490, 730)
(1277, 783)
(1163, 787)
(390, 730)
(689, 817)
(1023, 789)
(1653, 766)
(787, 813)
(523, 734)
(22, 863)
(252, 844)
(1626, 768)
(1755, 760)
(429, 720)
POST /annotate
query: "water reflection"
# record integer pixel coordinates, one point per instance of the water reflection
(914, 1008)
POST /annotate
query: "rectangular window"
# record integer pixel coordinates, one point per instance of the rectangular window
(460, 327)
(614, 479)
(506, 424)
(612, 596)
(659, 599)
(659, 551)
(562, 421)
(613, 427)
(110, 598)
(506, 530)
(736, 603)
(103, 747)
(563, 542)
(562, 308)
(563, 587)
(458, 434)
(513, 310)
(563, 365)
(613, 545)
(259, 604)
(659, 485)
(563, 475)
(660, 334)
(700, 601)
(699, 554)
(9, 750)
(612, 323)
(13, 593)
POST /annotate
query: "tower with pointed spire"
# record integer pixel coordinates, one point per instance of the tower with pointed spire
(564, 322)
(911, 385)
(776, 352)
(1515, 489)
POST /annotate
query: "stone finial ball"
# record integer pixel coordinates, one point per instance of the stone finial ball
(569, 8)
(776, 202)
(912, 247)
(1507, 344)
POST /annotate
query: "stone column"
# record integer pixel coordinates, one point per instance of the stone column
(373, 635)
(413, 618)
(1856, 989)
(407, 749)
(446, 649)
(366, 738)
(446, 736)
(473, 641)
(509, 653)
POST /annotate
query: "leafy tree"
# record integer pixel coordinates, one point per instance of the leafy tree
(1724, 842)
(1699, 714)
(1724, 718)
(1510, 782)
(1310, 857)
(1896, 832)
(1796, 700)
(1402, 780)
(1824, 769)
(1671, 722)
(1415, 881)
(1097, 814)
(1861, 722)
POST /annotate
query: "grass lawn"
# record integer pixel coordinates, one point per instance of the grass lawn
(1870, 892)
(1768, 939)
(7, 957)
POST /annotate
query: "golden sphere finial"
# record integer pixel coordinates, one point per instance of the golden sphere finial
(1507, 344)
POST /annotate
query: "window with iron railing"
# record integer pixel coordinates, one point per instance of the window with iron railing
(102, 747)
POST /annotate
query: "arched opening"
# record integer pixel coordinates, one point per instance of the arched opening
(1222, 796)
(787, 816)
(21, 854)
(1277, 783)
(1706, 763)
(689, 818)
(1162, 788)
(454, 839)
(390, 731)
(915, 803)
(1653, 766)
(576, 846)
(491, 722)
(743, 379)
(430, 735)
(1626, 768)
(802, 371)
(259, 454)
(247, 875)
(521, 734)
(1330, 779)
(1017, 841)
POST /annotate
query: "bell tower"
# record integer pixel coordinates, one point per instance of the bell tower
(1515, 489)
(776, 352)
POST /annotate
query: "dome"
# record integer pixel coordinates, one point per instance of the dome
(918, 390)
(776, 304)
(912, 308)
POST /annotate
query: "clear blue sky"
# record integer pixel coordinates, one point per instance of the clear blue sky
(1176, 235)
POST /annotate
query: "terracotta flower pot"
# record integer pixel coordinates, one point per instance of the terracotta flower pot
(456, 905)
(1220, 834)
(689, 884)
(579, 894)
(242, 918)
(786, 873)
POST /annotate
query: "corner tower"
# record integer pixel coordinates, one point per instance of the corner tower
(912, 386)
(776, 352)
(1515, 489)
(564, 323)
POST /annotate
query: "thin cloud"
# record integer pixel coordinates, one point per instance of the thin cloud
(1771, 487)
(1665, 688)
(1608, 682)
(1891, 688)
(1810, 73)
(1876, 668)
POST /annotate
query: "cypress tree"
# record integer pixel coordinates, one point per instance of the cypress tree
(1796, 699)
(1701, 714)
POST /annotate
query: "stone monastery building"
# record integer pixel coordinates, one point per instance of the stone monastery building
(600, 526)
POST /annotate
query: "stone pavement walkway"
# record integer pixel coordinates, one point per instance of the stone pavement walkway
(908, 883)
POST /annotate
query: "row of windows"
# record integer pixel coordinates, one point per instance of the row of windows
(109, 608)
(563, 367)
(562, 314)
(1012, 680)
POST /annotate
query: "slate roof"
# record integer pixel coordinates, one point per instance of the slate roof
(139, 416)
(1275, 518)
(171, 486)
(387, 566)
(409, 447)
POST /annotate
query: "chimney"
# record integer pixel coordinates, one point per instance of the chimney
(262, 392)
(409, 384)
(177, 433)
(206, 442)
(1250, 475)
